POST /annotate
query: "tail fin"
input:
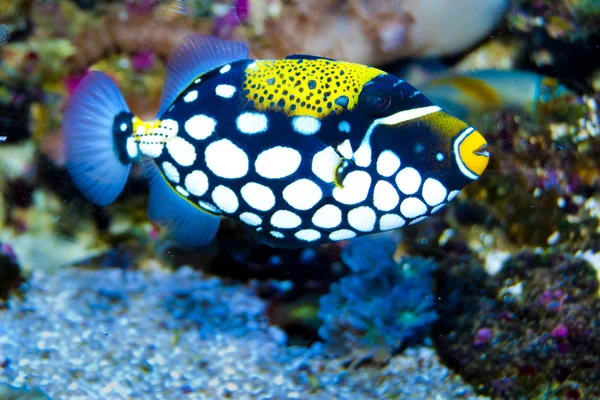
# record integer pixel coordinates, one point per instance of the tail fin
(97, 125)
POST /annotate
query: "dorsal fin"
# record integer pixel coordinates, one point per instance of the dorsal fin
(307, 57)
(186, 223)
(196, 55)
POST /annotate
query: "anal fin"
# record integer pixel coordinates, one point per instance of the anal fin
(186, 223)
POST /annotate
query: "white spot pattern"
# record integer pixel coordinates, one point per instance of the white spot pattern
(302, 194)
(250, 218)
(277, 235)
(362, 157)
(182, 191)
(226, 160)
(345, 149)
(191, 96)
(132, 148)
(209, 207)
(306, 125)
(453, 194)
(342, 234)
(324, 164)
(225, 69)
(308, 235)
(225, 199)
(390, 221)
(252, 123)
(412, 207)
(277, 162)
(437, 208)
(226, 91)
(433, 192)
(258, 196)
(182, 151)
(355, 188)
(284, 219)
(408, 180)
(328, 216)
(200, 126)
(168, 129)
(387, 163)
(362, 218)
(170, 172)
(151, 149)
(385, 197)
(416, 221)
(196, 182)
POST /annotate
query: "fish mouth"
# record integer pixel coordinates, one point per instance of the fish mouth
(482, 151)
(471, 153)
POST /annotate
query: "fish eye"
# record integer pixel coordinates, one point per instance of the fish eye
(374, 100)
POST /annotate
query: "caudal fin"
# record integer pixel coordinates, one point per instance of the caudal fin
(96, 127)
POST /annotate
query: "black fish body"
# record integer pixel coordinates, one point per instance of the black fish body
(303, 150)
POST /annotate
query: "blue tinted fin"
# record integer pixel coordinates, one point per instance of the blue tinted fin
(96, 157)
(196, 55)
(186, 223)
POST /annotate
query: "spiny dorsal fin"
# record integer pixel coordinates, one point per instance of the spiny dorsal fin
(196, 55)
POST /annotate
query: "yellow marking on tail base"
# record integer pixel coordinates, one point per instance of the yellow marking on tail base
(144, 128)
(306, 87)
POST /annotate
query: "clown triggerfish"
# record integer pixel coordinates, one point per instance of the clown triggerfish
(303, 150)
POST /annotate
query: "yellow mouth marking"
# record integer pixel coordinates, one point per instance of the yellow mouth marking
(472, 153)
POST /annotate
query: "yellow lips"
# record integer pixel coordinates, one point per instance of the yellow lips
(473, 154)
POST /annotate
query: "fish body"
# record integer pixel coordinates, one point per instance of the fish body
(302, 150)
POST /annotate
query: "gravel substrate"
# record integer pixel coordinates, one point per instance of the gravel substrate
(153, 334)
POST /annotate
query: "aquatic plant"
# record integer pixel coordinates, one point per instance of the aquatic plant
(527, 332)
(382, 304)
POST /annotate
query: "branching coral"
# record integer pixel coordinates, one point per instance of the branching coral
(382, 304)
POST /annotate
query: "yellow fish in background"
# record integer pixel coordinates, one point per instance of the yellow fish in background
(467, 94)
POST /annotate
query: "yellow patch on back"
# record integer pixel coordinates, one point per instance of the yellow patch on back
(307, 87)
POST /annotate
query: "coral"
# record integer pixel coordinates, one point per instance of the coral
(383, 303)
(274, 29)
(528, 332)
(564, 19)
(373, 32)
